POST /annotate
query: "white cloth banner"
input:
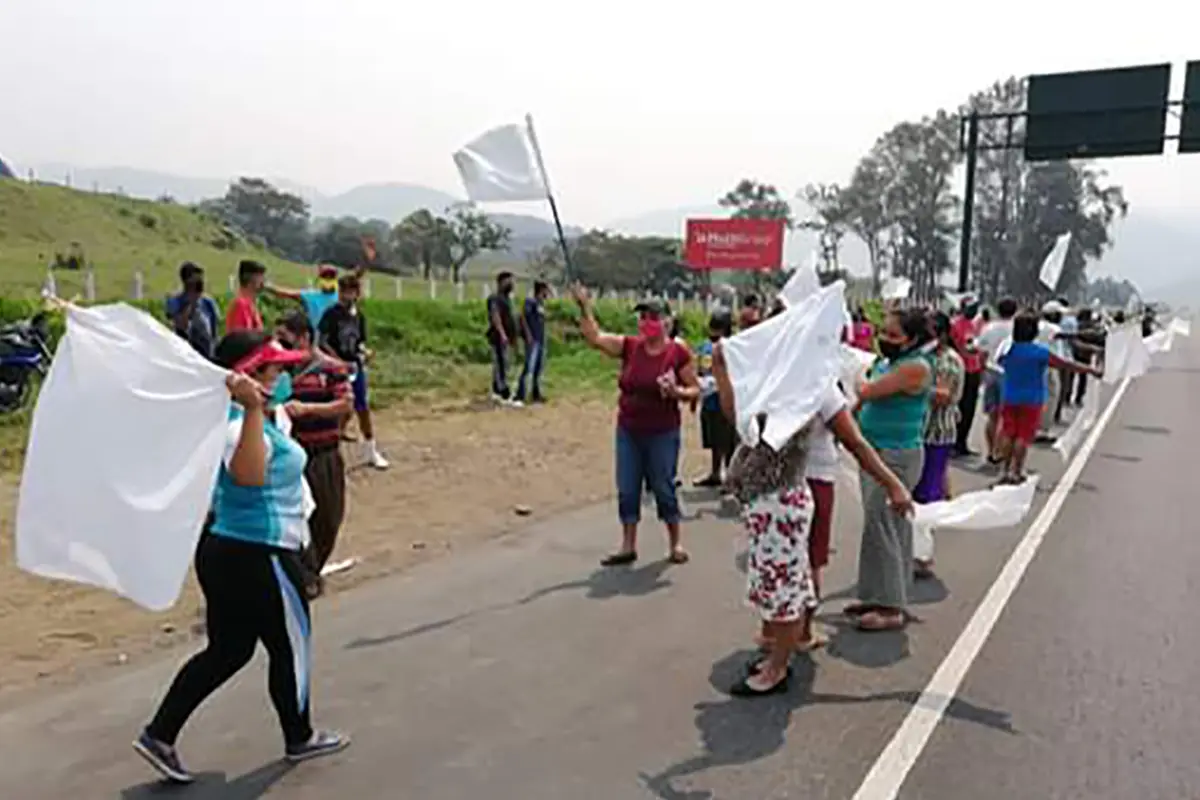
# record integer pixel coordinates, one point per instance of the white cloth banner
(999, 507)
(1083, 422)
(1180, 327)
(782, 367)
(1056, 259)
(127, 438)
(1159, 341)
(802, 285)
(896, 288)
(1125, 354)
(854, 365)
(502, 166)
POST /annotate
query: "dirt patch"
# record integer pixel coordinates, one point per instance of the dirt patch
(457, 478)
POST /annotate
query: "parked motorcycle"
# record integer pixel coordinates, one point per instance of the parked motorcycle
(24, 352)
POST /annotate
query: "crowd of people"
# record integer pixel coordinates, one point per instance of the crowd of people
(280, 493)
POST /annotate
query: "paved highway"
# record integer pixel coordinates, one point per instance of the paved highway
(518, 670)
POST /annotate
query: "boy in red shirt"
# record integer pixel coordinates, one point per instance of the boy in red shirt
(243, 313)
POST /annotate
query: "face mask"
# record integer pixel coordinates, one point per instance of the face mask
(281, 392)
(889, 349)
(651, 328)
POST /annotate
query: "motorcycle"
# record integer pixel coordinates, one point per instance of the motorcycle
(24, 351)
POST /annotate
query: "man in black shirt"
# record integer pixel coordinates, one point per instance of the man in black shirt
(343, 334)
(501, 333)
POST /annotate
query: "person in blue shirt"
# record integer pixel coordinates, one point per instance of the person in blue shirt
(319, 300)
(717, 433)
(533, 330)
(193, 313)
(1024, 391)
(248, 563)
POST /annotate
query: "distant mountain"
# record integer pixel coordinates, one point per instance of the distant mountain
(387, 201)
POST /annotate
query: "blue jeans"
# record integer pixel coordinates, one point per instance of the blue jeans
(535, 359)
(499, 369)
(647, 459)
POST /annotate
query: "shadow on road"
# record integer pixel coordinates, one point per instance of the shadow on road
(1154, 430)
(214, 785)
(603, 584)
(737, 731)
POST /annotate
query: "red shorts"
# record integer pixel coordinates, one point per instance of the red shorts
(1020, 423)
(820, 532)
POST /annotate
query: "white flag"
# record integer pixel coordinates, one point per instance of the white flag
(1180, 327)
(896, 288)
(1125, 354)
(502, 166)
(123, 456)
(1052, 267)
(784, 367)
(803, 283)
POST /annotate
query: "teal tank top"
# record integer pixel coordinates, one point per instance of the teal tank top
(897, 422)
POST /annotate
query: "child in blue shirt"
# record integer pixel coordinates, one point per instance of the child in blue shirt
(1024, 391)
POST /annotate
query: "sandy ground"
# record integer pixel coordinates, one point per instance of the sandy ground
(457, 478)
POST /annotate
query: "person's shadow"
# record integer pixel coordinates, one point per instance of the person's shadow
(735, 730)
(214, 785)
(603, 584)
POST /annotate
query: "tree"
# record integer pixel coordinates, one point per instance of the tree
(258, 209)
(1022, 208)
(470, 233)
(753, 200)
(831, 222)
(344, 242)
(421, 241)
(901, 204)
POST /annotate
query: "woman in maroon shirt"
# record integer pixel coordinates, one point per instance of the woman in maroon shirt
(657, 374)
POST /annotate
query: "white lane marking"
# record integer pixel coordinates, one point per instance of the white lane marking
(887, 774)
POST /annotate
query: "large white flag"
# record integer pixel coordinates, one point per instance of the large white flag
(123, 456)
(999, 507)
(896, 288)
(1125, 354)
(502, 165)
(783, 367)
(1052, 267)
(1084, 420)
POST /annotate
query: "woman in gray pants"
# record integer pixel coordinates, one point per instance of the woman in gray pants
(894, 403)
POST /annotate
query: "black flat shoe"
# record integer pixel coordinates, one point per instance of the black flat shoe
(619, 559)
(743, 689)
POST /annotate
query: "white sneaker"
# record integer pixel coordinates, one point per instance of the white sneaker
(374, 458)
(515, 404)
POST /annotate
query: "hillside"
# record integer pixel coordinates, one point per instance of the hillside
(118, 235)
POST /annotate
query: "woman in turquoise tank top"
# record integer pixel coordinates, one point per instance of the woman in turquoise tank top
(894, 403)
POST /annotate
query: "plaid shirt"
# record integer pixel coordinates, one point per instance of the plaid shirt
(324, 382)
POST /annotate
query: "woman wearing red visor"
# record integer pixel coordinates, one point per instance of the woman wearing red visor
(248, 563)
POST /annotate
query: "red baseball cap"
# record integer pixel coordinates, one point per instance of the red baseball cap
(327, 271)
(272, 352)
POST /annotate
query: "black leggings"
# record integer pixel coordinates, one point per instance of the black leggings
(252, 593)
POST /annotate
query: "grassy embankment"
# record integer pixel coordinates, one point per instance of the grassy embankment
(428, 351)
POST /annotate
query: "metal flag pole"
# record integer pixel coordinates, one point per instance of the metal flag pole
(541, 164)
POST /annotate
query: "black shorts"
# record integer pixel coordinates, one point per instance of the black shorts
(716, 431)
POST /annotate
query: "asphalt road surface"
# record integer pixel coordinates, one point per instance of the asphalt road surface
(519, 670)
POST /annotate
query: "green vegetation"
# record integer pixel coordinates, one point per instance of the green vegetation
(116, 236)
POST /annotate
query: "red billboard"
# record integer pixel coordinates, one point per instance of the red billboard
(734, 244)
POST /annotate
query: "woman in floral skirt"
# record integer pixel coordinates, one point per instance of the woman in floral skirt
(777, 511)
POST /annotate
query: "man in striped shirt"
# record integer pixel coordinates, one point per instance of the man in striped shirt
(321, 401)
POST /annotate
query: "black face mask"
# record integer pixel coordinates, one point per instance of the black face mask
(890, 350)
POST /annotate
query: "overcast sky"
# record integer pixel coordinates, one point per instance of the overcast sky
(640, 104)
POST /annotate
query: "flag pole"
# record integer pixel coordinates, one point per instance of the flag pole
(562, 238)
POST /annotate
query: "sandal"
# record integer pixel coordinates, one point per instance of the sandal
(619, 559)
(743, 688)
(679, 557)
(858, 609)
(878, 621)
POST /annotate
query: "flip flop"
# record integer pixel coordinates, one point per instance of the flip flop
(858, 609)
(875, 622)
(679, 557)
